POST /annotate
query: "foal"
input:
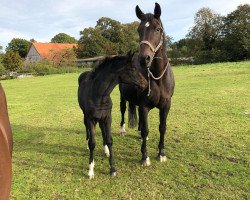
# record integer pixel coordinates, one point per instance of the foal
(95, 101)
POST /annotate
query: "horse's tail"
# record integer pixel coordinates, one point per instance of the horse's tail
(132, 116)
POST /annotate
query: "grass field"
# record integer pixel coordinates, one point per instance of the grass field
(207, 143)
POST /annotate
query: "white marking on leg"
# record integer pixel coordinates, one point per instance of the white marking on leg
(146, 162)
(123, 130)
(87, 144)
(113, 174)
(106, 150)
(141, 137)
(163, 158)
(91, 170)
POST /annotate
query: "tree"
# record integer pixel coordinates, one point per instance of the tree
(110, 29)
(91, 43)
(2, 69)
(236, 34)
(32, 40)
(12, 61)
(112, 32)
(21, 46)
(63, 38)
(207, 28)
(205, 36)
(130, 37)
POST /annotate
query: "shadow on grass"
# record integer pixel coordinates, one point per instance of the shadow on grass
(33, 149)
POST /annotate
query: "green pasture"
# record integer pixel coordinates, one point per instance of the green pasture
(207, 140)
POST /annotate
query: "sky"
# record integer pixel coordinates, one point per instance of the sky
(43, 19)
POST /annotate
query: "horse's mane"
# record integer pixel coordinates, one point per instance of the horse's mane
(106, 62)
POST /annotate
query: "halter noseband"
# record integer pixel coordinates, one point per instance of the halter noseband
(154, 50)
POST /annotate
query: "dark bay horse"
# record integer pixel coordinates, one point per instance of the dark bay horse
(95, 101)
(6, 144)
(153, 63)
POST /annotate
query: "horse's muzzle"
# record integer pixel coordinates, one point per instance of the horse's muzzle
(144, 60)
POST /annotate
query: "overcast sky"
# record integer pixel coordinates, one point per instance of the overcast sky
(44, 19)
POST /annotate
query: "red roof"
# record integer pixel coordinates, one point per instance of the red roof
(44, 49)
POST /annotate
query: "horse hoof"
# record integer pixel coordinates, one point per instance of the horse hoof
(146, 162)
(162, 158)
(106, 151)
(123, 133)
(91, 174)
(123, 130)
(91, 177)
(112, 174)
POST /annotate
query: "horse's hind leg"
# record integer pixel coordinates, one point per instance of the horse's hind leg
(123, 110)
(87, 131)
(91, 143)
(162, 129)
(105, 146)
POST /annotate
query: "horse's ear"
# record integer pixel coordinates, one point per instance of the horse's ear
(130, 55)
(157, 11)
(138, 12)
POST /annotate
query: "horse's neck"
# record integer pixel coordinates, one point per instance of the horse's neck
(104, 83)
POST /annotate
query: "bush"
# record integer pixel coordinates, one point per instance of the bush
(2, 69)
(214, 55)
(45, 67)
(12, 61)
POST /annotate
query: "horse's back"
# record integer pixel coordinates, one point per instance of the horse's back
(6, 145)
(85, 76)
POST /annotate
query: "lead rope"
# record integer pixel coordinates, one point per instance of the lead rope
(155, 78)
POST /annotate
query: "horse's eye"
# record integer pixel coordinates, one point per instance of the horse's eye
(158, 29)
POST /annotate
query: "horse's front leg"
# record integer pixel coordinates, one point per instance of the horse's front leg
(162, 129)
(143, 116)
(91, 143)
(109, 142)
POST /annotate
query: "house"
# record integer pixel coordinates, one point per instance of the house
(40, 51)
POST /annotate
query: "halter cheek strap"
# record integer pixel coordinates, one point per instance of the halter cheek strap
(151, 46)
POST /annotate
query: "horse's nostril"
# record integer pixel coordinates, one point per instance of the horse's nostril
(147, 59)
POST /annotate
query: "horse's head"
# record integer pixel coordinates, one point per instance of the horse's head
(131, 75)
(151, 34)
